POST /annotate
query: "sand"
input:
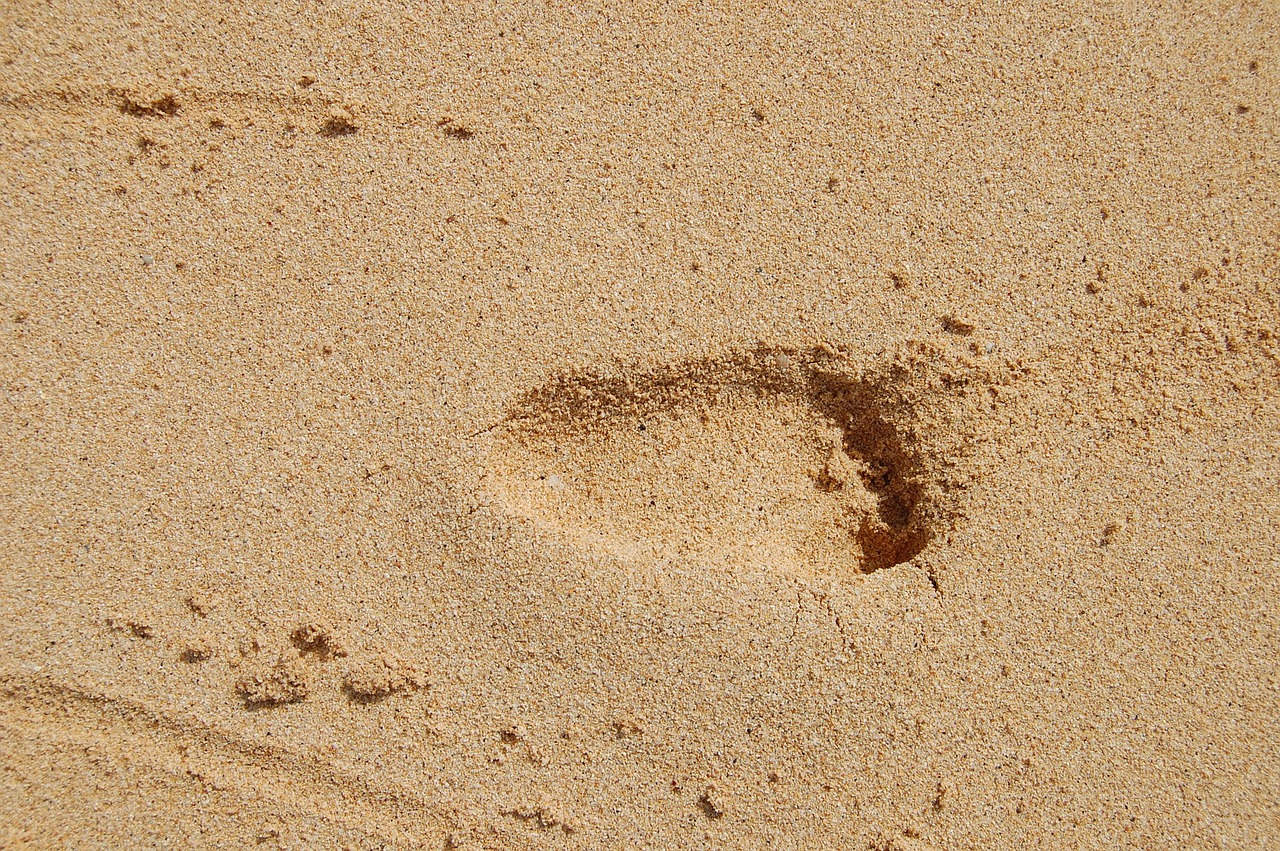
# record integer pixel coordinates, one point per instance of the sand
(661, 426)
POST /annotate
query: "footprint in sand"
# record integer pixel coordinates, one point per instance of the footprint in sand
(774, 456)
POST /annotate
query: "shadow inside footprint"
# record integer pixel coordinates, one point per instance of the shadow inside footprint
(773, 455)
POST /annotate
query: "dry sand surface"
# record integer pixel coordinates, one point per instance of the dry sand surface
(660, 426)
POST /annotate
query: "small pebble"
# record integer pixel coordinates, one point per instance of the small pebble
(147, 260)
(555, 482)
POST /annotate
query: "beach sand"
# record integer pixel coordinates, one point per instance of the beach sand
(659, 426)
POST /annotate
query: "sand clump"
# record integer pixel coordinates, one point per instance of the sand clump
(283, 680)
(319, 640)
(377, 677)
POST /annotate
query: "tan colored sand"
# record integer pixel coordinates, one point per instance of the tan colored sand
(329, 332)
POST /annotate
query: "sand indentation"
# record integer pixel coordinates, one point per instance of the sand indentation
(775, 455)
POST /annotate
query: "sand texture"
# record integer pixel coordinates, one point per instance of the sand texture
(705, 425)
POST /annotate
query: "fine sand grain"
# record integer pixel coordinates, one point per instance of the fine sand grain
(847, 426)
